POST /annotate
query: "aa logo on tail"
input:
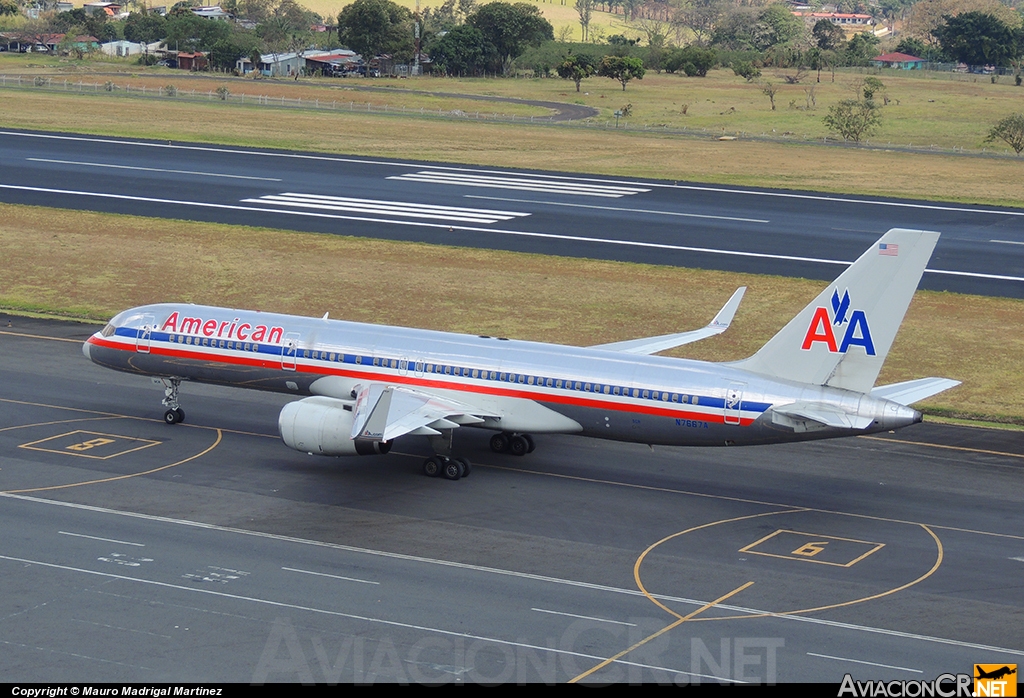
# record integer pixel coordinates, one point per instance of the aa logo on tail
(825, 328)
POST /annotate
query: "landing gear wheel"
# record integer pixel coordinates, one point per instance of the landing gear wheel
(432, 467)
(529, 440)
(453, 470)
(467, 468)
(519, 446)
(181, 415)
(499, 443)
(171, 417)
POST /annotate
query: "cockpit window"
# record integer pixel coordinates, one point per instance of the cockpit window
(107, 331)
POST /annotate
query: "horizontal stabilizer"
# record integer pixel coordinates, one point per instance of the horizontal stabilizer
(826, 415)
(652, 345)
(909, 392)
(383, 413)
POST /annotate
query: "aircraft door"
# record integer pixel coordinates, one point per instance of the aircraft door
(734, 402)
(144, 338)
(289, 350)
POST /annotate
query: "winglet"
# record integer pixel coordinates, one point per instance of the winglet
(651, 345)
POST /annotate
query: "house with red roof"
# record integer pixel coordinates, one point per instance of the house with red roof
(901, 61)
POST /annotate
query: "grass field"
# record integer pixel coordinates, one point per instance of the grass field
(94, 265)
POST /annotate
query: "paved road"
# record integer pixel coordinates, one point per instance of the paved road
(134, 551)
(760, 231)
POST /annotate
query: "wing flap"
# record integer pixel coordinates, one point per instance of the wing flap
(652, 345)
(384, 412)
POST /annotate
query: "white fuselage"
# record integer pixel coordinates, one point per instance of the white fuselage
(533, 387)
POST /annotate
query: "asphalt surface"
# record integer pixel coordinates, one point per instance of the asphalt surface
(759, 231)
(209, 551)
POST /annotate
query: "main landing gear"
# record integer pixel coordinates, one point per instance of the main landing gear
(516, 444)
(174, 413)
(446, 467)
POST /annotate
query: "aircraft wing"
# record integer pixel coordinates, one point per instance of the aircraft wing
(909, 392)
(652, 345)
(384, 412)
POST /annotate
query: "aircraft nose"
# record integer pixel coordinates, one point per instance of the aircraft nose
(85, 350)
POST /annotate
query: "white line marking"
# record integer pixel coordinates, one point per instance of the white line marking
(521, 233)
(573, 615)
(1018, 559)
(152, 169)
(858, 661)
(390, 163)
(332, 576)
(518, 184)
(394, 208)
(107, 540)
(1007, 242)
(525, 179)
(617, 208)
(514, 574)
(339, 614)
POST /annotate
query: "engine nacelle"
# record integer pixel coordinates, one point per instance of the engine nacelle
(323, 425)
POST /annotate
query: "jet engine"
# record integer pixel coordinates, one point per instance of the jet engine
(323, 425)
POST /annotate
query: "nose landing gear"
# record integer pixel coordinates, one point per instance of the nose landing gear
(174, 413)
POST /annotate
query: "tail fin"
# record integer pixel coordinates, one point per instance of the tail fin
(842, 338)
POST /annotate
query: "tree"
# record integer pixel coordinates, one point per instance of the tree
(977, 38)
(8, 7)
(693, 60)
(511, 28)
(769, 90)
(225, 53)
(186, 32)
(577, 68)
(828, 36)
(621, 68)
(145, 27)
(585, 9)
(862, 48)
(1010, 130)
(462, 50)
(853, 119)
(373, 27)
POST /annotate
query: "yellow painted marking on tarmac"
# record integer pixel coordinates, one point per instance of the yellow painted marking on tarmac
(812, 548)
(652, 546)
(724, 498)
(968, 449)
(57, 421)
(79, 449)
(40, 336)
(202, 453)
(674, 624)
(114, 415)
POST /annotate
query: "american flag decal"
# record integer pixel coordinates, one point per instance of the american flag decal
(888, 250)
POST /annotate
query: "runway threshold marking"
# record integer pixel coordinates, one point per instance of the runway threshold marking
(670, 626)
(496, 231)
(481, 170)
(503, 572)
(618, 208)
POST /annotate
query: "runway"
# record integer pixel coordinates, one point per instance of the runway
(749, 230)
(209, 551)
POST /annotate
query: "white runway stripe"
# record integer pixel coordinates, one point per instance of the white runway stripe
(521, 183)
(390, 208)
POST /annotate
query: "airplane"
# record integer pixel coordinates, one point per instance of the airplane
(995, 674)
(362, 386)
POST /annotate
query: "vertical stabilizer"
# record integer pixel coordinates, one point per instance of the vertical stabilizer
(842, 338)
